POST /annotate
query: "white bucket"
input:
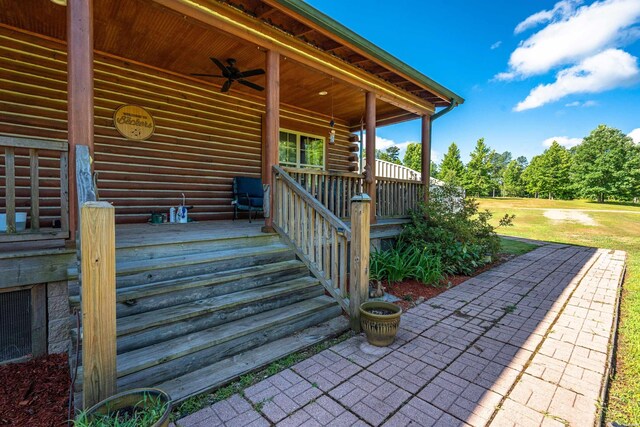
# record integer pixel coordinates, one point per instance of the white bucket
(21, 222)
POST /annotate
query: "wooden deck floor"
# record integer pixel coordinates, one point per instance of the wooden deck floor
(128, 235)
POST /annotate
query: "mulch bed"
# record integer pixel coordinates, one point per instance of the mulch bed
(35, 393)
(412, 292)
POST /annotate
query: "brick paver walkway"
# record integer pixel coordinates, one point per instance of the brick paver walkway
(524, 344)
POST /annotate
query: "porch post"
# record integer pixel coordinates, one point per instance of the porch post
(79, 93)
(426, 156)
(271, 134)
(370, 169)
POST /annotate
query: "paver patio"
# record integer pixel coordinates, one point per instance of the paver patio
(523, 344)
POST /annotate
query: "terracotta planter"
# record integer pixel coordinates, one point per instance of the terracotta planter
(132, 398)
(381, 329)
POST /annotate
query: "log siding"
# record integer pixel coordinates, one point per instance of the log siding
(202, 138)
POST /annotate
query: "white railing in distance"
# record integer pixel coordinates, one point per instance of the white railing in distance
(386, 169)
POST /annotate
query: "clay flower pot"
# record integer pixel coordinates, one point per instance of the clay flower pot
(130, 399)
(380, 321)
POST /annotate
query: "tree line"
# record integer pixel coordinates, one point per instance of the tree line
(605, 166)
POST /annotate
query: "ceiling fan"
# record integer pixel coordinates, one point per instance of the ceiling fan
(232, 74)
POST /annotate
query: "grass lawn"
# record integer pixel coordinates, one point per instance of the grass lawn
(613, 230)
(515, 247)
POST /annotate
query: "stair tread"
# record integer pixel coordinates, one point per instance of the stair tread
(190, 282)
(219, 373)
(138, 322)
(134, 266)
(139, 359)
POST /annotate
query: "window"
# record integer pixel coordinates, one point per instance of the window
(300, 150)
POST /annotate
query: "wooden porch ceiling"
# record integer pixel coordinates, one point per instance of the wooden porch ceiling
(148, 33)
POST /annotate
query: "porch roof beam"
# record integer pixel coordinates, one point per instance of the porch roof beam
(243, 26)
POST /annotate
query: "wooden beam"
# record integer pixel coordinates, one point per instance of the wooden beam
(255, 31)
(98, 269)
(370, 175)
(426, 156)
(310, 23)
(359, 262)
(79, 91)
(272, 133)
(39, 320)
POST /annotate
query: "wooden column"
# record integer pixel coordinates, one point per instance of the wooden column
(370, 177)
(98, 270)
(426, 156)
(271, 134)
(359, 263)
(79, 92)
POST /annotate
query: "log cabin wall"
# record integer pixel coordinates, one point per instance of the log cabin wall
(202, 138)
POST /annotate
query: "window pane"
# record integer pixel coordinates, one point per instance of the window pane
(311, 151)
(287, 148)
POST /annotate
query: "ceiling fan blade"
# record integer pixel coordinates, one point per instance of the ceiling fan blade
(223, 68)
(250, 84)
(226, 86)
(251, 73)
(206, 75)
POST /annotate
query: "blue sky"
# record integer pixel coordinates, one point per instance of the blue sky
(496, 53)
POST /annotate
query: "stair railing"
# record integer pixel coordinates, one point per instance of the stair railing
(323, 241)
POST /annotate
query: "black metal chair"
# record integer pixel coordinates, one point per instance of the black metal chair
(248, 195)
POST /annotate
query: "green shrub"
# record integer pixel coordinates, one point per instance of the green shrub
(454, 230)
(405, 262)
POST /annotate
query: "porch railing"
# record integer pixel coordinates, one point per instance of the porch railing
(333, 189)
(395, 197)
(318, 236)
(25, 160)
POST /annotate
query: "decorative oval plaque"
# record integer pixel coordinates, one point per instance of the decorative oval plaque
(133, 122)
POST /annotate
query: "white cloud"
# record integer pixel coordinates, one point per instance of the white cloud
(383, 143)
(635, 135)
(565, 141)
(607, 70)
(572, 35)
(585, 104)
(496, 45)
(561, 9)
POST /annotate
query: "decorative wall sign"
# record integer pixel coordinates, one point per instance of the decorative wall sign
(133, 122)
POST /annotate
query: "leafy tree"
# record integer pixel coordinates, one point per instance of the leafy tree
(603, 165)
(452, 168)
(499, 162)
(522, 161)
(478, 173)
(512, 182)
(391, 154)
(532, 176)
(413, 157)
(435, 170)
(556, 167)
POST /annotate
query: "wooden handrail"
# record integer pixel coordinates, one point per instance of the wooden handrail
(310, 171)
(319, 238)
(319, 207)
(39, 144)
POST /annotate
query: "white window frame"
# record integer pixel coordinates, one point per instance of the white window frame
(299, 136)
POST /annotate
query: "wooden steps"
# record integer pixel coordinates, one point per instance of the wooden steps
(226, 370)
(210, 301)
(152, 296)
